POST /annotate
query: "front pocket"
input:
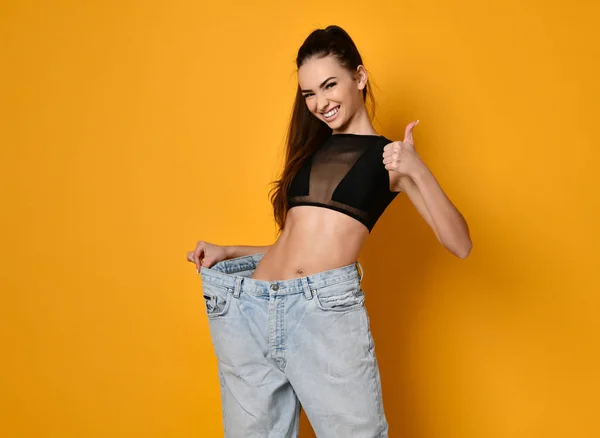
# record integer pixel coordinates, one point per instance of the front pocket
(341, 297)
(216, 299)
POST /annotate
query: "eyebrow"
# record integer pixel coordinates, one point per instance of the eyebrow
(322, 83)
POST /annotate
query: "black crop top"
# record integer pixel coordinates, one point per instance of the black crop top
(346, 174)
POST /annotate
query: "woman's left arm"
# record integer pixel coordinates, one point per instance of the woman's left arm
(429, 199)
(409, 173)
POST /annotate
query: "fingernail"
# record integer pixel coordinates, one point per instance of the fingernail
(417, 122)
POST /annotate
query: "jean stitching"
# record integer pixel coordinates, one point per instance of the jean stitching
(297, 419)
(353, 307)
(378, 395)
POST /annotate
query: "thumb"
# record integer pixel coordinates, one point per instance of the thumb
(408, 137)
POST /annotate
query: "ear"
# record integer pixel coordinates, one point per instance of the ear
(362, 77)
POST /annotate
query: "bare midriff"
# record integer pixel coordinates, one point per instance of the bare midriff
(314, 239)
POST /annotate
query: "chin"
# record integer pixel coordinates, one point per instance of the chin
(335, 123)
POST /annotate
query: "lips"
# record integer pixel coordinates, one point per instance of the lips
(334, 112)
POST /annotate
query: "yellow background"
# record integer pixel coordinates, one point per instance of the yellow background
(131, 130)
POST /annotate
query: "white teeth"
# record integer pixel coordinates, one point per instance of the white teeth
(332, 112)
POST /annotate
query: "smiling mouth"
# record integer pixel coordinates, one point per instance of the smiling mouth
(332, 113)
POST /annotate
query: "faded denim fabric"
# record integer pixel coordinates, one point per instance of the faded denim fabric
(301, 343)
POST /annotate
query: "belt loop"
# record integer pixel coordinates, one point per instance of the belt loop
(237, 287)
(362, 271)
(306, 287)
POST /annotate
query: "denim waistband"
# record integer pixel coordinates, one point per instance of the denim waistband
(235, 274)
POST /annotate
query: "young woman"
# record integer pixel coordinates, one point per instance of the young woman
(288, 322)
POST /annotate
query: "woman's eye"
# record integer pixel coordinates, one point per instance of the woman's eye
(326, 87)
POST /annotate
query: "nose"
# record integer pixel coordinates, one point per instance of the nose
(322, 103)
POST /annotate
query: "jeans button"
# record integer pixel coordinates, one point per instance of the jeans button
(274, 287)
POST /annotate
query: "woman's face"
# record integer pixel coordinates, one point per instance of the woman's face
(330, 91)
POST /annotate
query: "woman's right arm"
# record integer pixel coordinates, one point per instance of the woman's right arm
(207, 254)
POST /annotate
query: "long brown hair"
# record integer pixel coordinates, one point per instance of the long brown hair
(306, 132)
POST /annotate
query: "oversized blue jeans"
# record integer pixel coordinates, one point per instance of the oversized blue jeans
(301, 343)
